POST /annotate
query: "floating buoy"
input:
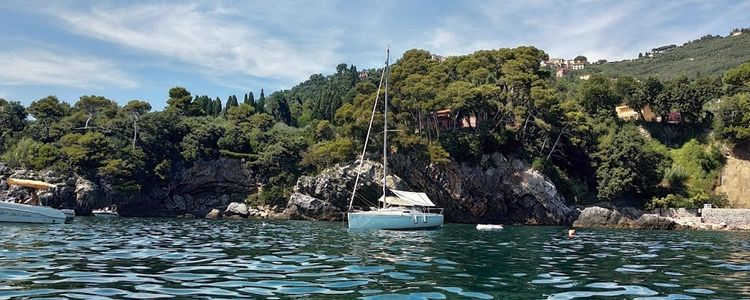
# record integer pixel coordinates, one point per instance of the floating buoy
(571, 233)
(489, 227)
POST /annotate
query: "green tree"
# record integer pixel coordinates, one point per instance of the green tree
(327, 153)
(217, 107)
(732, 120)
(12, 116)
(649, 91)
(86, 152)
(92, 105)
(628, 166)
(278, 107)
(31, 154)
(597, 96)
(627, 90)
(738, 79)
(47, 111)
(136, 108)
(231, 102)
(250, 99)
(202, 140)
(180, 100)
(260, 106)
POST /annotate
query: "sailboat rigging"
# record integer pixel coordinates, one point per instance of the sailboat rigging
(401, 210)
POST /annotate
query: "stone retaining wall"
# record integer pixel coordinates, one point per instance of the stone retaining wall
(733, 218)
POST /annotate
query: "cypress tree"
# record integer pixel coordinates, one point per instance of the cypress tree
(261, 105)
(217, 107)
(250, 99)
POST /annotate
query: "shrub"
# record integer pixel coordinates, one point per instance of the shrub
(31, 154)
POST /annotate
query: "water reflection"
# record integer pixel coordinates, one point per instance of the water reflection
(151, 258)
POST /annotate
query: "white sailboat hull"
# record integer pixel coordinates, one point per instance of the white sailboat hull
(394, 220)
(23, 213)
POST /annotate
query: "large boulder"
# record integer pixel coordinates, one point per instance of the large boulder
(213, 214)
(629, 218)
(236, 209)
(304, 207)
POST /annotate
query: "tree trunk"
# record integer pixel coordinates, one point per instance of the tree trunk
(135, 129)
(87, 121)
(556, 141)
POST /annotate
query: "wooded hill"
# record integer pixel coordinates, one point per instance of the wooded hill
(707, 56)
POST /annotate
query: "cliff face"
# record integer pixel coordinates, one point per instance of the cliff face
(500, 191)
(194, 190)
(735, 182)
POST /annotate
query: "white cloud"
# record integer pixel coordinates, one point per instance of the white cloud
(214, 39)
(43, 67)
(596, 29)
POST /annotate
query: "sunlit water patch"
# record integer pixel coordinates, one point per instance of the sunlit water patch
(177, 258)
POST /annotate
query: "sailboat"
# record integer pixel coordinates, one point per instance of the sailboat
(396, 209)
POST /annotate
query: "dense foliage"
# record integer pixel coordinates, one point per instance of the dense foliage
(457, 110)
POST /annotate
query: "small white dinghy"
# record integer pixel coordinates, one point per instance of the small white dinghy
(489, 227)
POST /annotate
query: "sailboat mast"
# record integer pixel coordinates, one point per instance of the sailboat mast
(385, 127)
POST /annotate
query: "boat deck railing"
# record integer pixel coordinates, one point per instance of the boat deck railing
(437, 210)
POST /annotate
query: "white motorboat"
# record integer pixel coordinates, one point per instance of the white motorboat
(31, 211)
(396, 210)
(489, 227)
(24, 213)
(107, 212)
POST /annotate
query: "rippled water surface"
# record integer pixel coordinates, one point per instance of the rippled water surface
(160, 258)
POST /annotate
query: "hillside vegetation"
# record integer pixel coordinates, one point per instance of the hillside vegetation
(566, 128)
(708, 56)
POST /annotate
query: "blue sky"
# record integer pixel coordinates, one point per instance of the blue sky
(127, 50)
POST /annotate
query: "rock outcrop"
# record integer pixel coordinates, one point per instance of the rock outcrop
(70, 191)
(304, 207)
(236, 209)
(496, 191)
(628, 218)
(194, 190)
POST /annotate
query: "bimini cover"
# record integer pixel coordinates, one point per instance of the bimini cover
(405, 198)
(30, 183)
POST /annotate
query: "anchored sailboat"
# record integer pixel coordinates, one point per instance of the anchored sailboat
(397, 210)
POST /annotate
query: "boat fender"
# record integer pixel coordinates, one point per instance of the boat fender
(415, 219)
(424, 218)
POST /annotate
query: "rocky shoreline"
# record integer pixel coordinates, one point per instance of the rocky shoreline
(502, 190)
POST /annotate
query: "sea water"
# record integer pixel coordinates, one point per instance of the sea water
(196, 258)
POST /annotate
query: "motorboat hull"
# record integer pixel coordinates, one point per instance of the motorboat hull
(394, 220)
(23, 213)
(105, 214)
